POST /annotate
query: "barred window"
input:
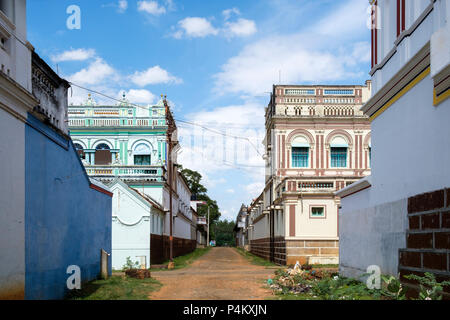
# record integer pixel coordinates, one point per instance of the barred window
(338, 157)
(300, 156)
(339, 92)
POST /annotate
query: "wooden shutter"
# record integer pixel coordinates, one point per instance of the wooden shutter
(103, 157)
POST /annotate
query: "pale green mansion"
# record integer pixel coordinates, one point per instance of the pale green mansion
(125, 147)
(113, 140)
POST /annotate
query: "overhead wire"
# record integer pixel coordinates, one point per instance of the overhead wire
(176, 119)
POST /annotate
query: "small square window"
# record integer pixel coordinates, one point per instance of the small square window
(317, 212)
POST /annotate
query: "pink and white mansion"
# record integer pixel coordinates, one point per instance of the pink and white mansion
(317, 142)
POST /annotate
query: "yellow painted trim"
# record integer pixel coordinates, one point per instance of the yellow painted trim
(394, 99)
(444, 96)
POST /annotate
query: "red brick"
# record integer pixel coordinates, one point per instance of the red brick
(448, 197)
(420, 240)
(410, 259)
(446, 219)
(426, 201)
(436, 261)
(442, 240)
(414, 222)
(430, 221)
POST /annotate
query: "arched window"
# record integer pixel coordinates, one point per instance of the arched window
(300, 152)
(338, 152)
(102, 146)
(103, 154)
(370, 154)
(80, 150)
(142, 155)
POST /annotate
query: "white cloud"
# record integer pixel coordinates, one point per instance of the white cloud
(151, 7)
(141, 96)
(195, 27)
(347, 19)
(74, 55)
(229, 12)
(170, 5)
(211, 183)
(153, 75)
(100, 76)
(122, 6)
(254, 189)
(240, 28)
(229, 190)
(96, 72)
(233, 143)
(361, 52)
(320, 53)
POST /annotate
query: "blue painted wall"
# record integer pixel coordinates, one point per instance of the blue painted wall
(66, 221)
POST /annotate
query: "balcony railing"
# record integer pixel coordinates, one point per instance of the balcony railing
(156, 173)
(114, 122)
(316, 185)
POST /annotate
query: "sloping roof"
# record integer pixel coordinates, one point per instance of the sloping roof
(355, 187)
(97, 185)
(149, 199)
(142, 197)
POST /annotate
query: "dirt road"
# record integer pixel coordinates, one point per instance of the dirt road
(220, 274)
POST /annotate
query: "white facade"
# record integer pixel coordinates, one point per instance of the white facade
(182, 212)
(15, 101)
(409, 110)
(12, 205)
(15, 53)
(134, 219)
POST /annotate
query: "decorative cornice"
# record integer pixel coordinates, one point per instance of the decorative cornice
(402, 36)
(400, 81)
(16, 100)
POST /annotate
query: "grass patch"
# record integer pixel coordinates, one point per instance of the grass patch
(255, 259)
(116, 288)
(327, 286)
(186, 260)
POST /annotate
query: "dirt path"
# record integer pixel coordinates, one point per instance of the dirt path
(220, 274)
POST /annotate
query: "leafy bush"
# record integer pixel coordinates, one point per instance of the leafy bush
(430, 288)
(340, 288)
(130, 265)
(393, 288)
(321, 285)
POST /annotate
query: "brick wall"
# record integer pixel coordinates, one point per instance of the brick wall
(261, 248)
(160, 248)
(428, 239)
(280, 250)
(312, 251)
(288, 252)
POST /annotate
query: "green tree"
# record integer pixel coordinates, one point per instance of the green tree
(224, 234)
(193, 179)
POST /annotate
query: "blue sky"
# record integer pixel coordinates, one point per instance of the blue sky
(215, 60)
